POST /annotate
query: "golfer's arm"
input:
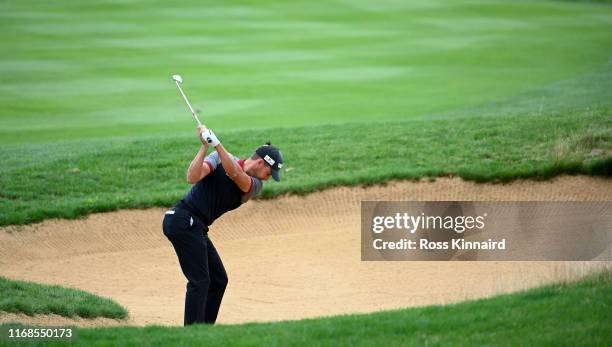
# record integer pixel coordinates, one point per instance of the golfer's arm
(198, 169)
(233, 170)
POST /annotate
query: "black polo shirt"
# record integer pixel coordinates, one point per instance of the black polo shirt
(217, 193)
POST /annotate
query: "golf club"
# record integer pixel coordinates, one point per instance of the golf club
(179, 80)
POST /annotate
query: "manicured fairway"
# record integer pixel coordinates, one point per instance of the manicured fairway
(80, 70)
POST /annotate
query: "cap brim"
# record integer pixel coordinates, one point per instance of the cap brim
(276, 175)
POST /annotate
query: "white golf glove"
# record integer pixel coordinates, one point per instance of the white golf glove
(210, 137)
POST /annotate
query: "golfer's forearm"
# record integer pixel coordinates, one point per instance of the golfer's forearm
(194, 173)
(229, 164)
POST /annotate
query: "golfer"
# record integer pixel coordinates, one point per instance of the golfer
(221, 183)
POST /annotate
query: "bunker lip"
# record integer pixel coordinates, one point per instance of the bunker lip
(304, 264)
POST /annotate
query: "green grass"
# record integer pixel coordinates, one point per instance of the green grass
(80, 70)
(31, 298)
(570, 314)
(354, 92)
(44, 181)
(151, 172)
(591, 1)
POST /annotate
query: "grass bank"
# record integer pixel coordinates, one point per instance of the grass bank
(32, 298)
(150, 171)
(572, 314)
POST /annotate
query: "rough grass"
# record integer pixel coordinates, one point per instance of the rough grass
(569, 314)
(151, 171)
(32, 298)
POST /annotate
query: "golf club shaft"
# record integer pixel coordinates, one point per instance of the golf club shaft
(188, 104)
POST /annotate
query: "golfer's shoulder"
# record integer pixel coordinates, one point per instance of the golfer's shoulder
(257, 186)
(214, 159)
(255, 189)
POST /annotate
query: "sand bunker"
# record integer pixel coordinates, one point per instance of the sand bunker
(287, 258)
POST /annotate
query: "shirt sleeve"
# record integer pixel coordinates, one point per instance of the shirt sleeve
(212, 160)
(256, 188)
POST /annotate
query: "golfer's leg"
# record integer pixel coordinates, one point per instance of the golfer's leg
(218, 283)
(191, 250)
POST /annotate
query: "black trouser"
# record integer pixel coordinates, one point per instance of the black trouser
(201, 264)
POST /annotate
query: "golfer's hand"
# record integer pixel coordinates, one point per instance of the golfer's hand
(209, 136)
(201, 130)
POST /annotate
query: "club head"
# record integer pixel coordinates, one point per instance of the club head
(177, 78)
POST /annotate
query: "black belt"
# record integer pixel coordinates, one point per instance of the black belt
(184, 206)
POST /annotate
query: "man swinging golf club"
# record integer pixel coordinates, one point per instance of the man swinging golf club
(221, 183)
